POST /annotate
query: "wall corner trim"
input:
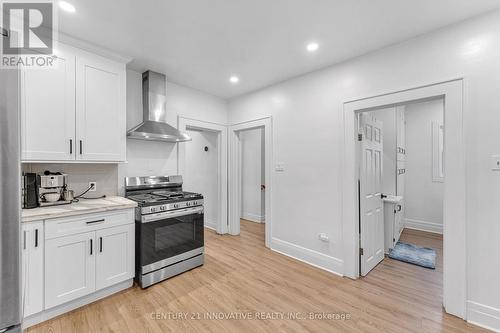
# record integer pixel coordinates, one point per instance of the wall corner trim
(211, 225)
(310, 257)
(483, 315)
(253, 217)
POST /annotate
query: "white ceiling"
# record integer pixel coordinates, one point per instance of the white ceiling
(201, 43)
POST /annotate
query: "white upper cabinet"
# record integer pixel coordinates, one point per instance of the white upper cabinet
(48, 111)
(75, 111)
(100, 109)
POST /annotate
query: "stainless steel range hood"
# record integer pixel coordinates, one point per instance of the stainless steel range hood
(154, 126)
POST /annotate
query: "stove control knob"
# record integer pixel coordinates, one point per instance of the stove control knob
(176, 206)
(188, 204)
(195, 203)
(153, 209)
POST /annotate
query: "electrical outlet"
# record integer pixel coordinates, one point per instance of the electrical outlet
(93, 185)
(323, 237)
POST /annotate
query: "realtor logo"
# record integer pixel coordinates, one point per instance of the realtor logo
(30, 42)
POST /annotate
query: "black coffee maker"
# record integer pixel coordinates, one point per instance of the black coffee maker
(30, 190)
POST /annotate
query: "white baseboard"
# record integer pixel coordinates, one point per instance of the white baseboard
(211, 225)
(253, 217)
(424, 226)
(483, 315)
(69, 306)
(311, 257)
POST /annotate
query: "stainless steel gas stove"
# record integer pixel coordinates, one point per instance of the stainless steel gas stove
(169, 227)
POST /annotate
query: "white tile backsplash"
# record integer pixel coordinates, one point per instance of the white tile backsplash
(79, 176)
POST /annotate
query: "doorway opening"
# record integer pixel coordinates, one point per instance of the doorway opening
(201, 171)
(250, 187)
(401, 186)
(203, 163)
(453, 161)
(252, 162)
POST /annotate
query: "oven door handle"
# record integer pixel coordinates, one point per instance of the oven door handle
(168, 215)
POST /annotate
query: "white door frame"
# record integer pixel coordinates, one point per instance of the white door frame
(454, 211)
(235, 174)
(184, 124)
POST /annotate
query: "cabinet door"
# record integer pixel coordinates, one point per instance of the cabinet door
(400, 178)
(402, 217)
(100, 109)
(32, 267)
(401, 133)
(115, 255)
(48, 111)
(69, 268)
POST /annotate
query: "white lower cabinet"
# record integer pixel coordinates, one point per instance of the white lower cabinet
(69, 268)
(393, 221)
(32, 267)
(115, 247)
(66, 259)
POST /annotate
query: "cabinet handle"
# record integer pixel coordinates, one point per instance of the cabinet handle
(91, 247)
(96, 221)
(36, 237)
(100, 244)
(81, 147)
(24, 240)
(71, 146)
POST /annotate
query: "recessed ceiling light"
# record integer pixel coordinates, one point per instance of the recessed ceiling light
(312, 47)
(234, 79)
(66, 6)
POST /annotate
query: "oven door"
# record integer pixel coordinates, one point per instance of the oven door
(169, 237)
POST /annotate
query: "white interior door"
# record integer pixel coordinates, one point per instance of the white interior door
(370, 201)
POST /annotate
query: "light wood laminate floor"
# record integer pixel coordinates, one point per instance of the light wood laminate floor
(241, 276)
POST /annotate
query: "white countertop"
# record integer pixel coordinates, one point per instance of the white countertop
(84, 206)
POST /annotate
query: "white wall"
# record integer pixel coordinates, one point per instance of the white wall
(423, 196)
(308, 136)
(160, 158)
(201, 171)
(251, 175)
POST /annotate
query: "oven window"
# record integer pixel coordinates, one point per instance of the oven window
(167, 238)
(173, 235)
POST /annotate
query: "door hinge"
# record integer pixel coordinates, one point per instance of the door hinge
(393, 240)
(360, 136)
(4, 32)
(361, 251)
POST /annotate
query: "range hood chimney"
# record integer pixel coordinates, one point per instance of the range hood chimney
(154, 126)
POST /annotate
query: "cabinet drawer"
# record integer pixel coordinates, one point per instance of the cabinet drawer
(89, 222)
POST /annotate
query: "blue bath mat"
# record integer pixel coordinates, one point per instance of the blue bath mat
(421, 256)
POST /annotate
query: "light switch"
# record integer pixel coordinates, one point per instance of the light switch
(495, 162)
(279, 167)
